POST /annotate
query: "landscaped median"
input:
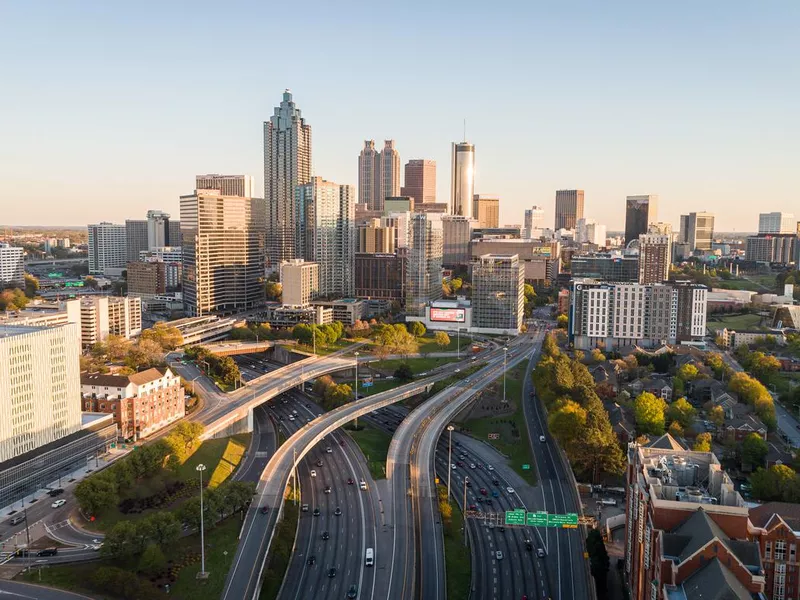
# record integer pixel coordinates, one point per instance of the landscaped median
(280, 552)
(456, 555)
(374, 444)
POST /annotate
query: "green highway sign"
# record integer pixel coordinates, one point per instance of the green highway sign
(526, 467)
(537, 519)
(570, 520)
(515, 517)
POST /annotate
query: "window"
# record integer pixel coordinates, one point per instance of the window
(768, 550)
(780, 550)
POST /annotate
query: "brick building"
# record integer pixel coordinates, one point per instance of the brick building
(776, 527)
(141, 403)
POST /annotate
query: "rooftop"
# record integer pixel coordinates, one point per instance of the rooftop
(15, 330)
(711, 582)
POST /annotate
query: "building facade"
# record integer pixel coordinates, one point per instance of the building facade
(39, 383)
(697, 230)
(462, 179)
(227, 185)
(147, 279)
(223, 253)
(287, 164)
(497, 292)
(101, 316)
(368, 165)
(420, 181)
(424, 266)
(375, 238)
(107, 248)
(300, 282)
(541, 260)
(381, 276)
(12, 266)
(456, 235)
(569, 208)
(378, 174)
(655, 257)
(777, 222)
(608, 266)
(534, 221)
(589, 231)
(775, 248)
(135, 238)
(640, 211)
(486, 210)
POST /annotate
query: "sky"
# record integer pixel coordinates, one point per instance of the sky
(108, 109)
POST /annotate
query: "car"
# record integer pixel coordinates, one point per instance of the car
(362, 484)
(499, 555)
(319, 462)
(58, 503)
(479, 500)
(316, 512)
(540, 553)
(478, 466)
(328, 450)
(501, 529)
(332, 572)
(489, 501)
(313, 473)
(542, 439)
(294, 412)
(471, 465)
(291, 417)
(95, 547)
(55, 492)
(47, 552)
(312, 560)
(452, 466)
(350, 481)
(456, 370)
(338, 512)
(510, 490)
(468, 483)
(460, 463)
(264, 509)
(304, 508)
(528, 545)
(327, 489)
(495, 482)
(326, 535)
(484, 492)
(489, 468)
(352, 592)
(495, 494)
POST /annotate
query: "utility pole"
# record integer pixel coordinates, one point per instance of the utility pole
(202, 575)
(458, 343)
(355, 390)
(294, 474)
(466, 479)
(449, 457)
(505, 355)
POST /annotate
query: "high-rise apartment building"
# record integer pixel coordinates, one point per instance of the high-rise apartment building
(462, 179)
(107, 247)
(389, 173)
(655, 257)
(640, 211)
(424, 267)
(287, 164)
(777, 222)
(300, 282)
(223, 252)
(158, 229)
(375, 238)
(569, 208)
(456, 235)
(606, 266)
(420, 182)
(589, 231)
(101, 316)
(329, 233)
(697, 230)
(39, 385)
(12, 265)
(534, 221)
(378, 174)
(147, 279)
(175, 238)
(486, 210)
(498, 283)
(136, 238)
(775, 248)
(227, 185)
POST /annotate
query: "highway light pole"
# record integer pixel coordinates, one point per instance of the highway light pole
(466, 479)
(505, 355)
(294, 474)
(355, 390)
(202, 575)
(449, 457)
(314, 337)
(458, 345)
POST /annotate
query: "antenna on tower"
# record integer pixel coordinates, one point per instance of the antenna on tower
(465, 130)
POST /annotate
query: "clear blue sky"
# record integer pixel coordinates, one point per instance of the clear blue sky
(109, 108)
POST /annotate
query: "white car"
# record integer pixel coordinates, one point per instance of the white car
(489, 467)
(471, 465)
(329, 450)
(452, 466)
(499, 555)
(510, 490)
(313, 473)
(291, 417)
(542, 439)
(58, 503)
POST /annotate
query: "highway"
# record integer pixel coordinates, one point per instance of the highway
(15, 590)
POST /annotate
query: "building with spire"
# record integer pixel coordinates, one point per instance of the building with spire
(462, 179)
(378, 174)
(287, 164)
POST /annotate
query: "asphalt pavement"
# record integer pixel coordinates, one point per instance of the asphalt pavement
(15, 590)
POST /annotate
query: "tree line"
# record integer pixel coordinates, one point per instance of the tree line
(222, 368)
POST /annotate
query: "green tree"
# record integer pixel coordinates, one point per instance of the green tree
(442, 339)
(303, 333)
(403, 372)
(567, 421)
(763, 366)
(682, 412)
(393, 339)
(242, 333)
(145, 354)
(702, 443)
(118, 582)
(754, 450)
(456, 283)
(95, 494)
(648, 411)
(597, 355)
(122, 540)
(549, 346)
(562, 321)
(599, 561)
(416, 329)
(528, 292)
(716, 415)
(13, 299)
(687, 372)
(164, 528)
(188, 433)
(167, 337)
(31, 285)
(189, 512)
(274, 291)
(152, 561)
(779, 482)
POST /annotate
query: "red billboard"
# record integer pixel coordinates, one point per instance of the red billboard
(451, 315)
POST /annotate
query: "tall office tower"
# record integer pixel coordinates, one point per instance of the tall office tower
(287, 164)
(534, 220)
(300, 282)
(462, 179)
(107, 247)
(223, 252)
(776, 222)
(157, 229)
(135, 238)
(569, 208)
(12, 265)
(175, 238)
(367, 174)
(424, 266)
(661, 228)
(227, 185)
(486, 210)
(147, 279)
(456, 235)
(697, 230)
(329, 233)
(655, 257)
(589, 231)
(375, 238)
(389, 173)
(39, 387)
(420, 181)
(498, 281)
(640, 211)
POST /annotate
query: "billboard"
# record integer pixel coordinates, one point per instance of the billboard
(450, 315)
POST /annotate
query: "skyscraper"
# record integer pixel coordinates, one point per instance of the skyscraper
(389, 173)
(697, 230)
(12, 265)
(569, 208)
(227, 185)
(486, 210)
(157, 229)
(135, 238)
(287, 163)
(378, 174)
(462, 179)
(329, 235)
(367, 165)
(534, 220)
(456, 235)
(640, 211)
(223, 252)
(776, 222)
(424, 266)
(107, 247)
(498, 282)
(655, 253)
(420, 181)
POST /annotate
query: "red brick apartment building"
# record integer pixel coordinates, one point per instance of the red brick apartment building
(776, 527)
(141, 403)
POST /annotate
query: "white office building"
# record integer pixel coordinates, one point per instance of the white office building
(12, 265)
(227, 185)
(299, 281)
(462, 179)
(777, 222)
(107, 248)
(102, 316)
(589, 231)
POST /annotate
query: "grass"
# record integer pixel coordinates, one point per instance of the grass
(375, 446)
(221, 542)
(418, 365)
(281, 551)
(513, 441)
(741, 322)
(457, 563)
(327, 348)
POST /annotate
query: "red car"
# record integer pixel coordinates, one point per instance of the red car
(350, 481)
(264, 509)
(473, 507)
(484, 492)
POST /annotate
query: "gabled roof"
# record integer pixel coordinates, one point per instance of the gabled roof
(666, 442)
(105, 380)
(760, 516)
(700, 529)
(714, 581)
(147, 376)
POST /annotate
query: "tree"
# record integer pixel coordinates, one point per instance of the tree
(754, 450)
(168, 338)
(337, 395)
(403, 372)
(416, 329)
(687, 372)
(31, 285)
(152, 561)
(119, 582)
(528, 292)
(763, 365)
(682, 412)
(599, 561)
(702, 443)
(274, 291)
(188, 433)
(456, 283)
(393, 339)
(562, 321)
(597, 355)
(145, 354)
(189, 512)
(675, 429)
(13, 299)
(303, 333)
(716, 415)
(121, 540)
(116, 347)
(549, 346)
(779, 482)
(164, 527)
(567, 421)
(95, 494)
(442, 339)
(648, 411)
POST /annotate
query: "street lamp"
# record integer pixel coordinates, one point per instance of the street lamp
(314, 337)
(464, 506)
(449, 455)
(193, 380)
(505, 355)
(355, 390)
(202, 575)
(458, 343)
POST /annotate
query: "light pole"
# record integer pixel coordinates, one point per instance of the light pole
(458, 343)
(464, 506)
(355, 390)
(202, 575)
(314, 337)
(505, 355)
(193, 380)
(449, 457)
(294, 474)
